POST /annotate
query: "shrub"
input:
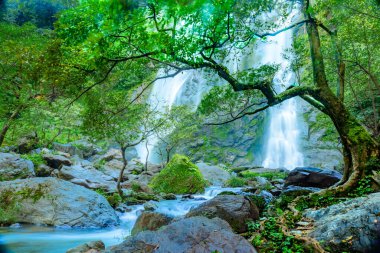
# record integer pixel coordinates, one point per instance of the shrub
(236, 182)
(37, 159)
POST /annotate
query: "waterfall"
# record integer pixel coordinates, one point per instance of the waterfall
(186, 88)
(282, 137)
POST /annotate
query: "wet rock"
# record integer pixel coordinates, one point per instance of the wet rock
(196, 234)
(12, 166)
(56, 161)
(90, 247)
(149, 206)
(150, 221)
(214, 174)
(169, 196)
(312, 177)
(351, 226)
(236, 210)
(56, 202)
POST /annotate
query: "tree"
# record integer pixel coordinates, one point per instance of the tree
(119, 116)
(201, 34)
(180, 125)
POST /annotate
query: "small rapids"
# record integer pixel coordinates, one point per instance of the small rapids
(40, 239)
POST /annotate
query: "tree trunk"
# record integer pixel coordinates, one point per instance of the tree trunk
(147, 155)
(121, 174)
(8, 123)
(359, 146)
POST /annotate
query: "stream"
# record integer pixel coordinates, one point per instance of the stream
(44, 239)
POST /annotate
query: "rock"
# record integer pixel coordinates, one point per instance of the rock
(169, 196)
(236, 210)
(89, 177)
(90, 247)
(180, 176)
(150, 221)
(263, 183)
(268, 197)
(149, 206)
(56, 202)
(196, 234)
(56, 161)
(112, 154)
(352, 226)
(295, 191)
(81, 148)
(43, 170)
(12, 166)
(27, 144)
(312, 177)
(214, 174)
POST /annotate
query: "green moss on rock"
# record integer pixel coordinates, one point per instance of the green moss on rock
(180, 176)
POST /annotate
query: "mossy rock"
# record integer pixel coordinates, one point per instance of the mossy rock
(180, 176)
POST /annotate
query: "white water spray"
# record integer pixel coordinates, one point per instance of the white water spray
(282, 144)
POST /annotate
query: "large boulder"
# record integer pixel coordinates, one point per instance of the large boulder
(90, 247)
(196, 234)
(81, 148)
(56, 202)
(12, 166)
(351, 226)
(150, 221)
(56, 161)
(235, 209)
(214, 174)
(88, 177)
(313, 177)
(180, 176)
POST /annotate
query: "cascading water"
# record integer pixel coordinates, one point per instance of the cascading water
(282, 144)
(37, 239)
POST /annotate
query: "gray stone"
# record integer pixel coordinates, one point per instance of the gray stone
(90, 247)
(56, 161)
(150, 206)
(296, 191)
(88, 177)
(196, 234)
(12, 166)
(313, 177)
(60, 203)
(236, 210)
(43, 170)
(214, 174)
(352, 226)
(150, 221)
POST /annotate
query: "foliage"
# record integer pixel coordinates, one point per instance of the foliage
(272, 239)
(235, 182)
(267, 175)
(259, 201)
(113, 199)
(363, 188)
(180, 176)
(37, 159)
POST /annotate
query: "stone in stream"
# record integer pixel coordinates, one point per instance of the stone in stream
(150, 221)
(195, 234)
(90, 247)
(56, 202)
(12, 166)
(350, 226)
(312, 177)
(236, 210)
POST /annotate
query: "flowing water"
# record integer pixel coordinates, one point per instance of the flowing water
(42, 239)
(282, 149)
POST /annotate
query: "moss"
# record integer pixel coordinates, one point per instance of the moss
(236, 182)
(267, 175)
(37, 159)
(180, 176)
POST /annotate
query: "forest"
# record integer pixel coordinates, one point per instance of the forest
(210, 126)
